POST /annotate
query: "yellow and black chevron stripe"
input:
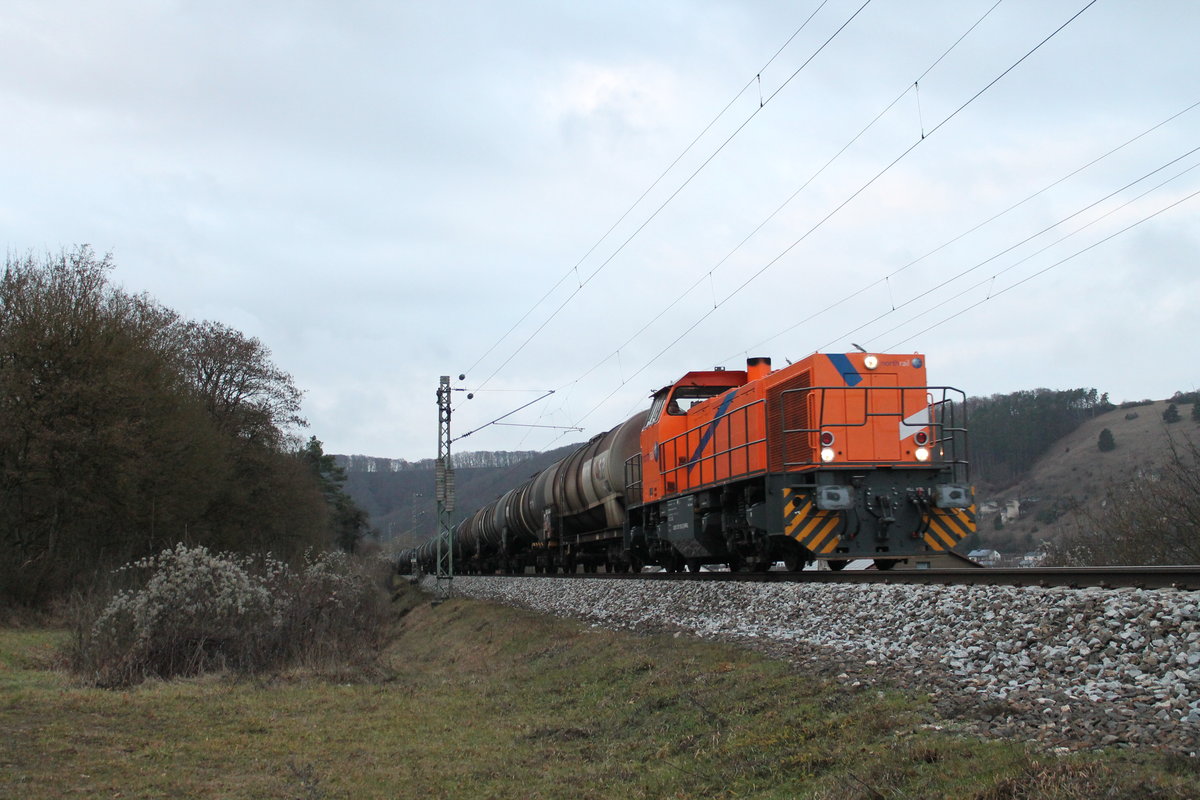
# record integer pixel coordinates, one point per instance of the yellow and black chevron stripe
(948, 526)
(817, 530)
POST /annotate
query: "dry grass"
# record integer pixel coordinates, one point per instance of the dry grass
(487, 702)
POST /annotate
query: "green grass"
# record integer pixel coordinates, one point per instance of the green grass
(480, 701)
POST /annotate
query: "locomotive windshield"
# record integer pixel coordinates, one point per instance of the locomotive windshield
(684, 397)
(678, 400)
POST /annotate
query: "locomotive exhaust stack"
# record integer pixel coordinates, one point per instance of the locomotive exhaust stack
(757, 368)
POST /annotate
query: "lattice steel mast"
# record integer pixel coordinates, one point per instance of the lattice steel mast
(445, 494)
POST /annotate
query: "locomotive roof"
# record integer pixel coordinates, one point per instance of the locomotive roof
(711, 377)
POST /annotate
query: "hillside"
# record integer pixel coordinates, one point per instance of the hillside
(400, 499)
(1074, 473)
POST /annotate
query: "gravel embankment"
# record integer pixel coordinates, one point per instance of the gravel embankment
(1068, 668)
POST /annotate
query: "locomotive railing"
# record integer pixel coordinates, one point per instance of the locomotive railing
(735, 444)
(944, 416)
(633, 480)
(727, 446)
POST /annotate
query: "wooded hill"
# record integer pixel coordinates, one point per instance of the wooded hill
(399, 495)
(1122, 457)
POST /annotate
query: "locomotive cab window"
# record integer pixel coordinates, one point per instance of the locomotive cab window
(684, 397)
(656, 408)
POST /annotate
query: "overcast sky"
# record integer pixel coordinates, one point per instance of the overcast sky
(386, 192)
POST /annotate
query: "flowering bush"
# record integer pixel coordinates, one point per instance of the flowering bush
(191, 611)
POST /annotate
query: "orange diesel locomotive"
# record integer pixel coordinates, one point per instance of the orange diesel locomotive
(833, 458)
(836, 457)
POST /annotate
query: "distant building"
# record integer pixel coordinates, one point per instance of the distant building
(989, 558)
(1032, 560)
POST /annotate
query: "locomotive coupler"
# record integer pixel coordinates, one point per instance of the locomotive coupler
(884, 514)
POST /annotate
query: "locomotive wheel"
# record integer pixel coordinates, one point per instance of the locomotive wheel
(693, 565)
(793, 562)
(884, 564)
(837, 565)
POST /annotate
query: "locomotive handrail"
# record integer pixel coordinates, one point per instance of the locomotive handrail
(951, 432)
(686, 465)
(701, 457)
(633, 480)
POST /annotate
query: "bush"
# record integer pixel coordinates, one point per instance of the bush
(189, 611)
(336, 611)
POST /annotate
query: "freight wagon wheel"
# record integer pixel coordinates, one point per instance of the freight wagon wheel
(837, 565)
(793, 562)
(884, 564)
(694, 564)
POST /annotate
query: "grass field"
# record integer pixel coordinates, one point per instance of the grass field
(478, 701)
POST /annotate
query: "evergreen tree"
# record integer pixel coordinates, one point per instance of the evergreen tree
(347, 522)
(1107, 442)
(1171, 414)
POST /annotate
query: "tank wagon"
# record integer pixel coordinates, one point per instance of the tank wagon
(835, 457)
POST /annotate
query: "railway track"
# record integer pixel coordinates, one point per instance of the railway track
(1186, 577)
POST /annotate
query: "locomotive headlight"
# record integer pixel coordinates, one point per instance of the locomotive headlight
(922, 454)
(871, 362)
(827, 454)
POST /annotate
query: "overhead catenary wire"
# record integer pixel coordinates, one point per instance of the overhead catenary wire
(666, 202)
(575, 268)
(905, 153)
(991, 279)
(1028, 239)
(496, 421)
(953, 114)
(779, 208)
(1049, 267)
(863, 289)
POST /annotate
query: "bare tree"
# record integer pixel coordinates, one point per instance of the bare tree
(246, 395)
